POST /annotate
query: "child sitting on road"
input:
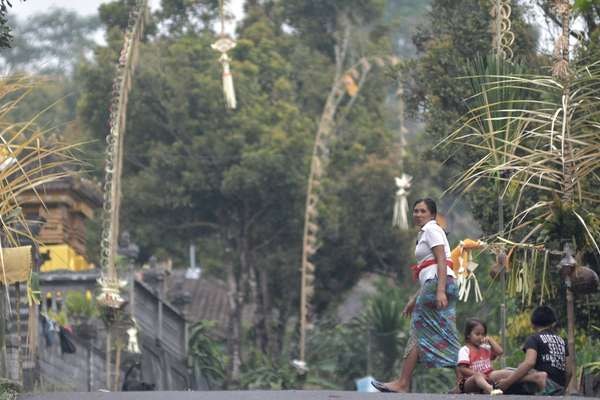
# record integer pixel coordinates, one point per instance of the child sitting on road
(475, 362)
(545, 353)
(475, 359)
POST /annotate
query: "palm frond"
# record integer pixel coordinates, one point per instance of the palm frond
(29, 157)
(534, 133)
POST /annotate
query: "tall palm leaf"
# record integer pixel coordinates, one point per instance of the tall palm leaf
(205, 355)
(387, 328)
(28, 157)
(548, 146)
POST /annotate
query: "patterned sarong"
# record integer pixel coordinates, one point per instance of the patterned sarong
(435, 329)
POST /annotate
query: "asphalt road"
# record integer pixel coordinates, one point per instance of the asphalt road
(262, 395)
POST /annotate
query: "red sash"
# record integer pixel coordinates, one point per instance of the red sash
(417, 268)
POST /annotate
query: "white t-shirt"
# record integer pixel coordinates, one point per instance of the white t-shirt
(431, 235)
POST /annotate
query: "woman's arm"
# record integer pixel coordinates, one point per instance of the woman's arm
(410, 306)
(440, 258)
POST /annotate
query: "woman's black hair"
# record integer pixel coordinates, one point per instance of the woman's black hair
(429, 203)
(471, 324)
(543, 316)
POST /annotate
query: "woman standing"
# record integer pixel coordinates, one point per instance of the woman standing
(434, 338)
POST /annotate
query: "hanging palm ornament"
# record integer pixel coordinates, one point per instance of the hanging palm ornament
(223, 45)
(401, 206)
(109, 282)
(465, 266)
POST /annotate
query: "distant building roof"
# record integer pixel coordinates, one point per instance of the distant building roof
(200, 299)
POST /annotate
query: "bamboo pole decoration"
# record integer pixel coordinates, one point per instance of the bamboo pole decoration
(223, 45)
(108, 358)
(311, 225)
(560, 69)
(502, 41)
(318, 165)
(503, 37)
(400, 217)
(109, 283)
(119, 347)
(562, 72)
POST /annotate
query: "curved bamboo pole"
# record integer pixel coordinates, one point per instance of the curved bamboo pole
(344, 83)
(109, 282)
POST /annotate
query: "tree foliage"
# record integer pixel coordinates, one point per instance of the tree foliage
(5, 28)
(453, 34)
(196, 172)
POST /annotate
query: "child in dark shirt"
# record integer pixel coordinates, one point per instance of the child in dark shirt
(545, 351)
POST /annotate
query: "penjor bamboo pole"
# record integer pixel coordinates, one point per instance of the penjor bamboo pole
(563, 7)
(499, 52)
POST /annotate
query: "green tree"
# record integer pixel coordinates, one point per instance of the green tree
(235, 180)
(317, 22)
(200, 170)
(5, 26)
(454, 33)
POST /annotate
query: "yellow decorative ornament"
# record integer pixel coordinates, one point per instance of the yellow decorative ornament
(350, 85)
(464, 268)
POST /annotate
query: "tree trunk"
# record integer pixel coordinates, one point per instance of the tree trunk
(280, 328)
(262, 320)
(235, 319)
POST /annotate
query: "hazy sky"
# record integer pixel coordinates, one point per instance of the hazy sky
(24, 9)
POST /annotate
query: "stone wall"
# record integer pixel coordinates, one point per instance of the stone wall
(161, 334)
(82, 371)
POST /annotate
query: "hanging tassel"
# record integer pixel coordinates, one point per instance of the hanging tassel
(228, 89)
(132, 342)
(400, 218)
(223, 45)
